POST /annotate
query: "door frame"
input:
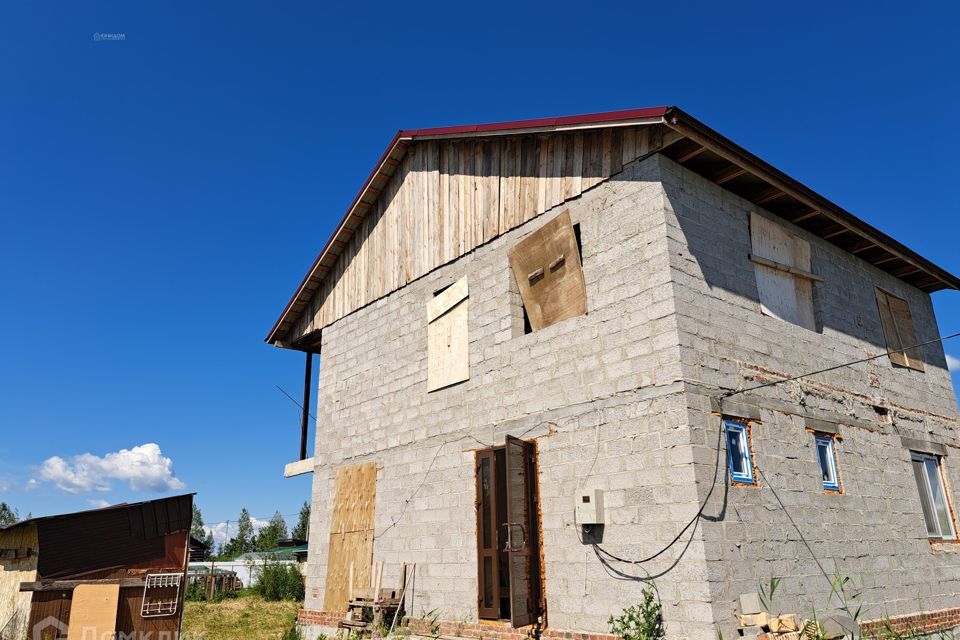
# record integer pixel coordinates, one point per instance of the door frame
(533, 540)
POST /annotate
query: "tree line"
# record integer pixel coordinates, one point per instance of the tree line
(246, 538)
(9, 515)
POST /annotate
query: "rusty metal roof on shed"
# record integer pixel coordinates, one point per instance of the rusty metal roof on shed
(701, 149)
(113, 507)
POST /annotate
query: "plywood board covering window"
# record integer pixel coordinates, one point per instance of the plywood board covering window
(782, 267)
(448, 341)
(546, 265)
(93, 613)
(351, 534)
(898, 330)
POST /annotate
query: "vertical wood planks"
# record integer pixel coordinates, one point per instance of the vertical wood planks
(429, 205)
(509, 184)
(529, 175)
(491, 191)
(448, 197)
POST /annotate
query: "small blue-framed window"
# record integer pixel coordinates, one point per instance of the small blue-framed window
(827, 458)
(738, 451)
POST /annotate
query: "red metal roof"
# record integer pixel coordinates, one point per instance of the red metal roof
(672, 117)
(566, 121)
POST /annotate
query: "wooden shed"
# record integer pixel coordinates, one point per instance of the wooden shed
(121, 569)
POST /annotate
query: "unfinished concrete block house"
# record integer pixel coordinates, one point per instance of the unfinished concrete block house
(559, 358)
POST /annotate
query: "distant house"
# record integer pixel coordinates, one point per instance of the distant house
(198, 549)
(115, 570)
(562, 358)
(292, 548)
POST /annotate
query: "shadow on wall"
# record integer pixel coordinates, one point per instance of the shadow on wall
(715, 227)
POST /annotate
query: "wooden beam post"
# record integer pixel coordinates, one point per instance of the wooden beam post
(305, 419)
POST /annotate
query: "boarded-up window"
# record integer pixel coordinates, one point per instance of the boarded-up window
(898, 330)
(93, 613)
(546, 265)
(448, 346)
(782, 267)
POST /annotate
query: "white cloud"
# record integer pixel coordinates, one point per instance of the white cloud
(31, 484)
(223, 531)
(98, 504)
(144, 468)
(953, 364)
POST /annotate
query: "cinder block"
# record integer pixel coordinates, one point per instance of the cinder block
(750, 603)
(839, 626)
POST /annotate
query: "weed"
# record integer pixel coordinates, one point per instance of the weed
(767, 593)
(642, 621)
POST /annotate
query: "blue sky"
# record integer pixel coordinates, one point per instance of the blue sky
(161, 196)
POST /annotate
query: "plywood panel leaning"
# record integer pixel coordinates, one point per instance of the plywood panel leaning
(546, 265)
(93, 613)
(351, 534)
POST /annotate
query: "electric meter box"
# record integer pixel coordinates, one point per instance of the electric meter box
(590, 507)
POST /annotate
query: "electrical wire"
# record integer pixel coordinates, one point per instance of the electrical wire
(792, 522)
(294, 401)
(839, 366)
(423, 478)
(692, 523)
(601, 552)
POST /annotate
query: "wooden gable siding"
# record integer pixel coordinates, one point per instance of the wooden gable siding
(447, 197)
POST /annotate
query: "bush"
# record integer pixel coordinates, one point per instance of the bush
(196, 592)
(277, 581)
(200, 592)
(642, 621)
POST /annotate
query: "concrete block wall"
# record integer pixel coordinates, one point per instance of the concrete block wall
(719, 312)
(624, 399)
(874, 531)
(599, 393)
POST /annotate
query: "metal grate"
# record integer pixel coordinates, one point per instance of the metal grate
(157, 597)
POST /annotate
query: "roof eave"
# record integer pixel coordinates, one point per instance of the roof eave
(673, 117)
(691, 128)
(626, 117)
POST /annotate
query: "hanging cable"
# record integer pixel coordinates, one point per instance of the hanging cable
(601, 552)
(839, 366)
(691, 523)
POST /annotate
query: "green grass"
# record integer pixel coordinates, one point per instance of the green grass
(249, 617)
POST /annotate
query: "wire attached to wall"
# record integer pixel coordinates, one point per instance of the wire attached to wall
(839, 366)
(294, 401)
(423, 478)
(604, 554)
